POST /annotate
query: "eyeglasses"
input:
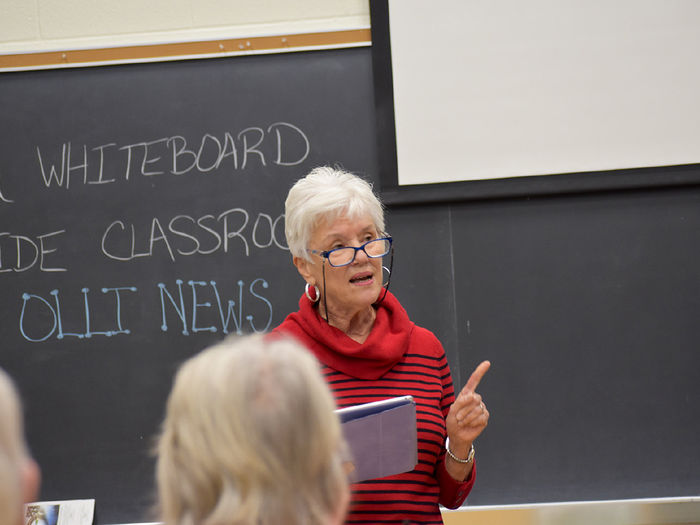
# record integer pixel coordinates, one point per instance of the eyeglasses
(346, 255)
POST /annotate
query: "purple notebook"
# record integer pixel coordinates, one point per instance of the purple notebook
(381, 437)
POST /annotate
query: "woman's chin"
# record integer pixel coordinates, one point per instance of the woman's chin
(357, 296)
(369, 293)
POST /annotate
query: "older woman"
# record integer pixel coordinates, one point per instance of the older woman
(251, 438)
(370, 350)
(19, 474)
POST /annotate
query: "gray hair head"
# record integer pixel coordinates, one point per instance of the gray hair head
(13, 453)
(250, 437)
(324, 195)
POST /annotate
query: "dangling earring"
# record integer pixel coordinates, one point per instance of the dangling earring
(317, 293)
(388, 274)
(388, 270)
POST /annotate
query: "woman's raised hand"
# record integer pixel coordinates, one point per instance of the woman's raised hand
(468, 415)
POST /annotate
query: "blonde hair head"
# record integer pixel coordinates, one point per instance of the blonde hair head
(250, 437)
(324, 195)
(13, 453)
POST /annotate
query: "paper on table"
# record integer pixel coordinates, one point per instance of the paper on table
(381, 437)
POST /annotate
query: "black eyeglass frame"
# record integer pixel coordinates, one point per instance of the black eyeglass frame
(327, 253)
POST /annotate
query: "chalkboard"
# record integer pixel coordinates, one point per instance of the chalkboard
(587, 307)
(141, 219)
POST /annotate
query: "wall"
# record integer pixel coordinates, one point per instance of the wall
(55, 25)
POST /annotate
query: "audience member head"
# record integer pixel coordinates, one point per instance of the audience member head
(250, 437)
(19, 474)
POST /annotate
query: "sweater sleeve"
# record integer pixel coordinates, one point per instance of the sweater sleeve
(452, 492)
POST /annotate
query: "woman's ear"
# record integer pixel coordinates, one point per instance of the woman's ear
(342, 509)
(31, 479)
(304, 269)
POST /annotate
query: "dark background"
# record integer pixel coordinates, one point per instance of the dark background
(585, 299)
(587, 307)
(93, 405)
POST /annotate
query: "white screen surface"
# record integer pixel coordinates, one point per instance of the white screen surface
(505, 88)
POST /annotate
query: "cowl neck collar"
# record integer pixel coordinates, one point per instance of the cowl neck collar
(385, 346)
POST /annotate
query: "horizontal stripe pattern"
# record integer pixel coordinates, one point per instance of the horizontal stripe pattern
(411, 497)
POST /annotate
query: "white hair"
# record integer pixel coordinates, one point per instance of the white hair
(13, 453)
(250, 438)
(324, 195)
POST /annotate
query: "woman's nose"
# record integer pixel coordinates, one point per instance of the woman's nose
(361, 253)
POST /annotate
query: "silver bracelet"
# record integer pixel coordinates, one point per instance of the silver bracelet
(470, 456)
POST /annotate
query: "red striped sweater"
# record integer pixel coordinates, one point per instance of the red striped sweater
(398, 358)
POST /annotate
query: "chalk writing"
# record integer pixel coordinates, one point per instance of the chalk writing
(5, 199)
(198, 306)
(230, 313)
(36, 307)
(281, 143)
(25, 252)
(185, 235)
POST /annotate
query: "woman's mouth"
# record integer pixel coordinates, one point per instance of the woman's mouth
(362, 278)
